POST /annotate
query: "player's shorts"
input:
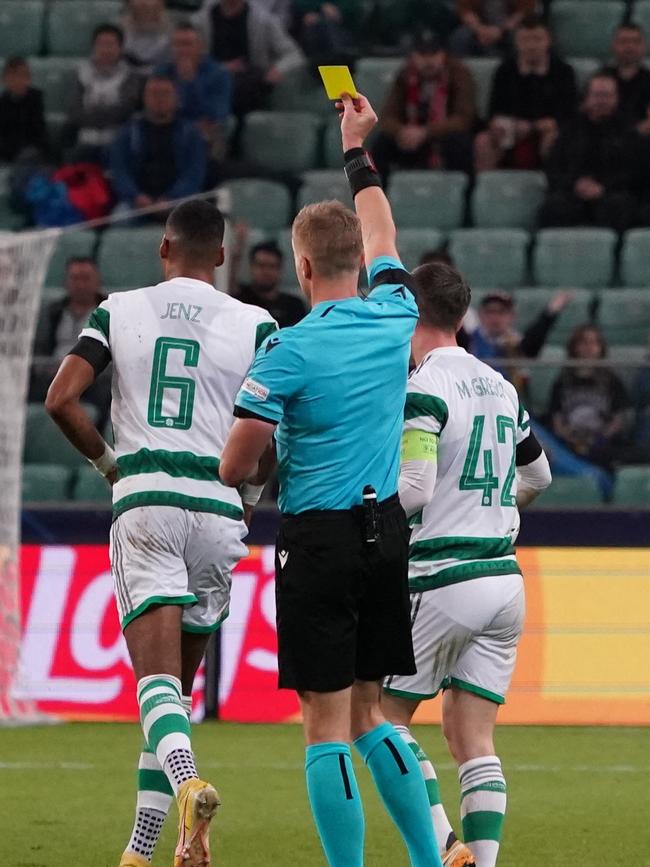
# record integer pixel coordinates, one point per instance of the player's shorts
(343, 607)
(465, 635)
(164, 555)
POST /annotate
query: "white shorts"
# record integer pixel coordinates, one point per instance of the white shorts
(168, 555)
(465, 635)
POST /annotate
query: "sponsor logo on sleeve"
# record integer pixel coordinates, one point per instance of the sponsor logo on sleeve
(255, 388)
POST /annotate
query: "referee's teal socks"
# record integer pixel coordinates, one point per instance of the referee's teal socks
(398, 778)
(335, 803)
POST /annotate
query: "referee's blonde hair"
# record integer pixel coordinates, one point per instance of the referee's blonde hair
(329, 235)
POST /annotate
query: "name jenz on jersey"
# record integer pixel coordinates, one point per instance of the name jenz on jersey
(176, 310)
(482, 386)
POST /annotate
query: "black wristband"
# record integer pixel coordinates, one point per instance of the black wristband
(360, 170)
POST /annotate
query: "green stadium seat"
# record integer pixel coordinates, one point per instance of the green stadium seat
(584, 28)
(90, 487)
(635, 258)
(542, 378)
(482, 69)
(54, 76)
(43, 483)
(531, 302)
(260, 203)
(507, 199)
(299, 90)
(641, 14)
(70, 244)
(374, 76)
(428, 199)
(128, 258)
(633, 487)
(491, 258)
(584, 68)
(10, 220)
(624, 316)
(282, 141)
(21, 27)
(412, 244)
(574, 257)
(71, 23)
(323, 184)
(332, 152)
(44, 442)
(632, 358)
(571, 492)
(289, 280)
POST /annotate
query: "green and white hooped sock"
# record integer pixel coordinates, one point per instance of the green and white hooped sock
(155, 796)
(441, 825)
(482, 807)
(166, 727)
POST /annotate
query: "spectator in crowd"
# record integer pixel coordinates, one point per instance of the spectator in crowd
(591, 167)
(487, 25)
(147, 34)
(252, 45)
(429, 112)
(265, 264)
(204, 87)
(22, 120)
(629, 49)
(159, 156)
(327, 31)
(59, 327)
(589, 406)
(106, 93)
(281, 9)
(532, 94)
(496, 336)
(399, 24)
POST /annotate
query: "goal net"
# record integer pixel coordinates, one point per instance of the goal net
(24, 259)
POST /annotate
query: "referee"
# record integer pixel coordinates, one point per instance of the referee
(333, 388)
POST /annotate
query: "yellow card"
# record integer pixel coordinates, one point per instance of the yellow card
(337, 81)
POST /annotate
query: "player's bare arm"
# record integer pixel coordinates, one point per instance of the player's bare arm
(358, 118)
(63, 403)
(246, 444)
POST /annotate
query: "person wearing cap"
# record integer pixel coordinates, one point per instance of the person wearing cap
(496, 335)
(428, 115)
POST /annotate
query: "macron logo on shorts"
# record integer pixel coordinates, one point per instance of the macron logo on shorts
(255, 388)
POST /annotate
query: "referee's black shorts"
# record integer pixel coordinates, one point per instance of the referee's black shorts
(343, 605)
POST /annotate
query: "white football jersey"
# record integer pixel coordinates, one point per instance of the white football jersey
(181, 351)
(469, 527)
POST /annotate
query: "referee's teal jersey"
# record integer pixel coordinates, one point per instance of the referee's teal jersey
(335, 384)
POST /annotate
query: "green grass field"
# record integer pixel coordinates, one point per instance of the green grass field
(576, 796)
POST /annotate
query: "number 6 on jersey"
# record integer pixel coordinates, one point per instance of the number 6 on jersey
(161, 381)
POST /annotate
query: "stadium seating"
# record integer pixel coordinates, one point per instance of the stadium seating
(80, 243)
(45, 483)
(44, 442)
(324, 184)
(507, 199)
(90, 487)
(299, 90)
(374, 76)
(54, 76)
(21, 27)
(281, 141)
(635, 258)
(632, 487)
(128, 257)
(634, 357)
(584, 68)
(332, 150)
(584, 28)
(71, 23)
(574, 257)
(542, 379)
(426, 199)
(531, 302)
(491, 258)
(289, 279)
(482, 69)
(412, 244)
(260, 203)
(571, 492)
(624, 316)
(641, 14)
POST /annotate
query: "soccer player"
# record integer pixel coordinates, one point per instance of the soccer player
(334, 387)
(180, 352)
(469, 460)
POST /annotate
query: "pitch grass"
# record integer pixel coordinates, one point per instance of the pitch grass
(576, 796)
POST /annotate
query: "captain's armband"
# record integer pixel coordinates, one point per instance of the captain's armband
(419, 445)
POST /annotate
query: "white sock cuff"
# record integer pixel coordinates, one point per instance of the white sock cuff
(405, 732)
(187, 704)
(478, 771)
(173, 682)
